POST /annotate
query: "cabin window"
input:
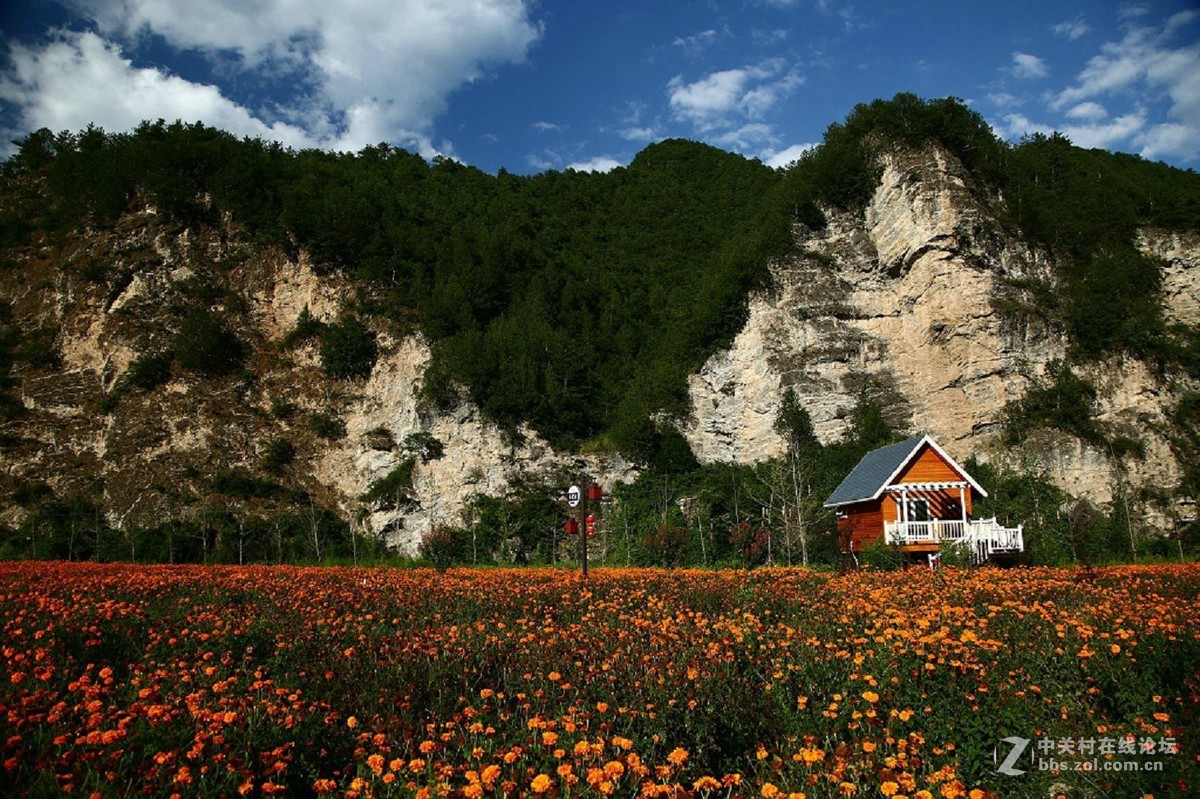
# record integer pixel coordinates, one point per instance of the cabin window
(918, 510)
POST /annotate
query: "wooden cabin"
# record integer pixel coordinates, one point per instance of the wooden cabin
(915, 496)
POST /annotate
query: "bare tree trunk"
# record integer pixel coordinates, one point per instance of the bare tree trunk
(315, 528)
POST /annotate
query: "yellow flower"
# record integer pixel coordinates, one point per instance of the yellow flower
(769, 791)
(541, 783)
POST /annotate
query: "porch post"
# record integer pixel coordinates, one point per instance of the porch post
(962, 504)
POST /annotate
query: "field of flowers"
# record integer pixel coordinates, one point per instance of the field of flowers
(208, 681)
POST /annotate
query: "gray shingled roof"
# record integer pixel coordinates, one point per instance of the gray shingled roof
(865, 480)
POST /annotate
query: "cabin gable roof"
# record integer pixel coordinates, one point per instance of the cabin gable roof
(879, 468)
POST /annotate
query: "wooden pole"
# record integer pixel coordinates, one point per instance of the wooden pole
(584, 490)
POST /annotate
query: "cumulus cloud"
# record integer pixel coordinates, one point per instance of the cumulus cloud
(1088, 133)
(725, 99)
(598, 164)
(1088, 111)
(1028, 66)
(782, 158)
(638, 134)
(1146, 64)
(78, 78)
(368, 70)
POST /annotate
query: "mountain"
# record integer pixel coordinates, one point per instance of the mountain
(215, 348)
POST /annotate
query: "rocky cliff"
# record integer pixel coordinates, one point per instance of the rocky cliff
(150, 455)
(917, 301)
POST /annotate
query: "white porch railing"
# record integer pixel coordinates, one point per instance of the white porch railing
(984, 537)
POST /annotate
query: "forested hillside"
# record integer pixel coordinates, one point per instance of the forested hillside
(578, 303)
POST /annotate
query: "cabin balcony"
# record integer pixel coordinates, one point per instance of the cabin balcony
(983, 537)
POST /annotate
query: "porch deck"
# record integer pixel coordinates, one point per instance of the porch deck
(983, 537)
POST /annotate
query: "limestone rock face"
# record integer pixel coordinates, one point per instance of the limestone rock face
(155, 452)
(478, 458)
(917, 302)
(1180, 252)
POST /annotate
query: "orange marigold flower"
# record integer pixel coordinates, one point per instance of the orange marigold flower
(953, 790)
(352, 722)
(549, 738)
(427, 747)
(769, 791)
(490, 774)
(706, 783)
(870, 696)
(541, 783)
(554, 676)
(810, 755)
(677, 757)
(375, 763)
(889, 788)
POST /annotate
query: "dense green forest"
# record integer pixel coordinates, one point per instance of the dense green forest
(579, 302)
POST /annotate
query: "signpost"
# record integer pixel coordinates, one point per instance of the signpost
(576, 498)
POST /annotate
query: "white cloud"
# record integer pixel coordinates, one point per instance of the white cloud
(782, 158)
(1016, 126)
(1090, 133)
(1107, 135)
(1169, 139)
(373, 70)
(1088, 111)
(1072, 29)
(547, 127)
(1028, 66)
(599, 164)
(745, 138)
(638, 134)
(697, 43)
(1145, 65)
(1004, 100)
(724, 99)
(78, 78)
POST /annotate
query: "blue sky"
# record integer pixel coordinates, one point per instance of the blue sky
(531, 86)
